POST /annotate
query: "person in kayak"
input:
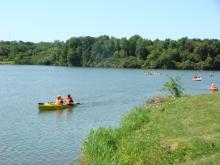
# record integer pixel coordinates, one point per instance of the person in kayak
(59, 100)
(69, 100)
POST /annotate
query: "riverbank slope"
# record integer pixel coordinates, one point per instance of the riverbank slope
(183, 130)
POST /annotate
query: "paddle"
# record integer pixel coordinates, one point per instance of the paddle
(46, 103)
(74, 103)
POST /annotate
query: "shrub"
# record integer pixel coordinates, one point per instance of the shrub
(174, 86)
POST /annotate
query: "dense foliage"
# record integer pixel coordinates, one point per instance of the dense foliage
(105, 51)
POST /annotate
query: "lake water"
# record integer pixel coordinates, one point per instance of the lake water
(28, 136)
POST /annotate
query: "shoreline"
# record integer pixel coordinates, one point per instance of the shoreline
(176, 131)
(148, 69)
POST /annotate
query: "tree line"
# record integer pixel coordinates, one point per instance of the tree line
(105, 51)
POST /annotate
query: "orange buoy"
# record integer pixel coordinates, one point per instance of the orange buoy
(213, 87)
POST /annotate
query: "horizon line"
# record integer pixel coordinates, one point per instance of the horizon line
(111, 36)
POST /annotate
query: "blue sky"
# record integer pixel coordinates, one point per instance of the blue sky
(49, 20)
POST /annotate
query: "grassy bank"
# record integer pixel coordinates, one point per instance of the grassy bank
(183, 130)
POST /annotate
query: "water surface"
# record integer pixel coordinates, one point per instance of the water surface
(28, 136)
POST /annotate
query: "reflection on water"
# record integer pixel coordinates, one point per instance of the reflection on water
(58, 114)
(62, 114)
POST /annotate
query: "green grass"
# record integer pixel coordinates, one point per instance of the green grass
(182, 131)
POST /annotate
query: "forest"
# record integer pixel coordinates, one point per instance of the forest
(105, 51)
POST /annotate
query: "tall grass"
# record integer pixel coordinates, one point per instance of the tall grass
(180, 131)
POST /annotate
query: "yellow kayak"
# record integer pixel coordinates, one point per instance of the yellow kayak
(50, 106)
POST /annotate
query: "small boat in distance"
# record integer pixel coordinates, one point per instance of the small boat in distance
(196, 78)
(213, 87)
(152, 73)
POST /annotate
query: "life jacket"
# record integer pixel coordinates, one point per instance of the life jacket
(59, 101)
(69, 100)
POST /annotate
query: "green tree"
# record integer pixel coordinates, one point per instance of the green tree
(86, 46)
(141, 49)
(132, 44)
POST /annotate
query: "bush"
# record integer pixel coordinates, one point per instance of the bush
(174, 86)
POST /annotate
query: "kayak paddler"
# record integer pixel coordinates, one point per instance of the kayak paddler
(59, 100)
(69, 100)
